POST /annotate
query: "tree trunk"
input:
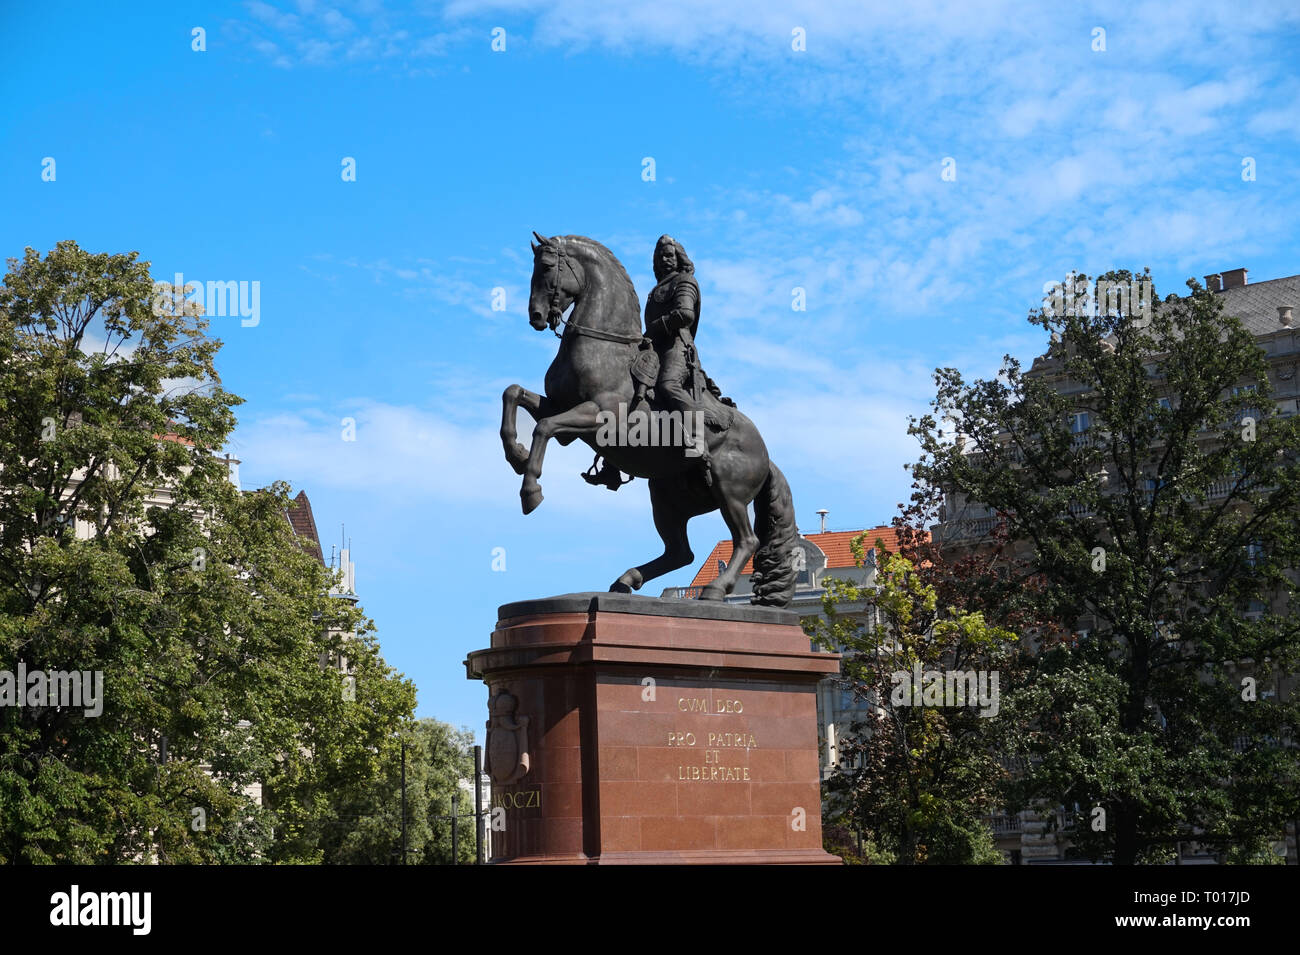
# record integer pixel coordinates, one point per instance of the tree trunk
(1126, 835)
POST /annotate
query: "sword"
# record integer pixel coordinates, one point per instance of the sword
(693, 362)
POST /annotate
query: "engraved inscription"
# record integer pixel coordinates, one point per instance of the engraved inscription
(712, 770)
(713, 774)
(698, 705)
(526, 799)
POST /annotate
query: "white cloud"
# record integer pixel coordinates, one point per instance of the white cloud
(404, 453)
(273, 16)
(336, 23)
(321, 36)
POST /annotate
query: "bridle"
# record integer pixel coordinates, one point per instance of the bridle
(555, 314)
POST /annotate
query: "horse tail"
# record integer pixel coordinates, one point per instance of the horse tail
(774, 575)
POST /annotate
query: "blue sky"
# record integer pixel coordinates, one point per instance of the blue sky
(776, 168)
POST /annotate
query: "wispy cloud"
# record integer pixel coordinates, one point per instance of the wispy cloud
(404, 453)
(322, 35)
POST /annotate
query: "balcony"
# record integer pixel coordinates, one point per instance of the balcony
(966, 530)
(980, 527)
(681, 593)
(1221, 489)
(1004, 825)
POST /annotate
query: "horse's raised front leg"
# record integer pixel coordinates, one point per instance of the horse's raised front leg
(578, 421)
(511, 400)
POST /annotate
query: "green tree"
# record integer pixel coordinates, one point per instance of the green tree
(438, 757)
(125, 549)
(447, 755)
(917, 776)
(1164, 521)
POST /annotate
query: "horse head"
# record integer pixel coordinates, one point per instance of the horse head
(556, 282)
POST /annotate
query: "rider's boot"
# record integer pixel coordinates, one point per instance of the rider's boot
(697, 442)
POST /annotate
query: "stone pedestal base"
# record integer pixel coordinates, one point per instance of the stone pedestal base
(629, 729)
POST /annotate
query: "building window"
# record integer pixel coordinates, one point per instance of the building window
(1080, 422)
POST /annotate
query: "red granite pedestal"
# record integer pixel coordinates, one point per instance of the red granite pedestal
(629, 729)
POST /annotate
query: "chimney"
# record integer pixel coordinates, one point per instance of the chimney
(1234, 278)
(1284, 316)
(822, 514)
(1213, 283)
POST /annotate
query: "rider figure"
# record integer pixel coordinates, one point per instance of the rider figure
(672, 315)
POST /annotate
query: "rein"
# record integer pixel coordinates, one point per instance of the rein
(597, 333)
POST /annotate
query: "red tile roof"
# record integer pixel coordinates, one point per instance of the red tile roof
(834, 544)
(304, 525)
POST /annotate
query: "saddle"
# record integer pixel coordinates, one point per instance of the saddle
(644, 369)
(645, 373)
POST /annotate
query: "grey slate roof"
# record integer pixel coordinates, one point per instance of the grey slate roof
(1256, 305)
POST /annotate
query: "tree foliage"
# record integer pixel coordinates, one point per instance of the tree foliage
(438, 757)
(1163, 522)
(125, 549)
(917, 776)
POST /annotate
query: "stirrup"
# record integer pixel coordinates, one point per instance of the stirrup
(606, 475)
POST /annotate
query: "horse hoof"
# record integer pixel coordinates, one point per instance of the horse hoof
(530, 499)
(517, 458)
(629, 582)
(711, 593)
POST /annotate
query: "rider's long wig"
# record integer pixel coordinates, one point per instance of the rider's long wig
(684, 263)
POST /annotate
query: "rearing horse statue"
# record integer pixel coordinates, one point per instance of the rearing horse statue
(590, 384)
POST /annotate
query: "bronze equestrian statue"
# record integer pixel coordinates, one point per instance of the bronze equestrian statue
(601, 378)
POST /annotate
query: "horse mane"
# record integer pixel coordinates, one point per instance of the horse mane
(617, 270)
